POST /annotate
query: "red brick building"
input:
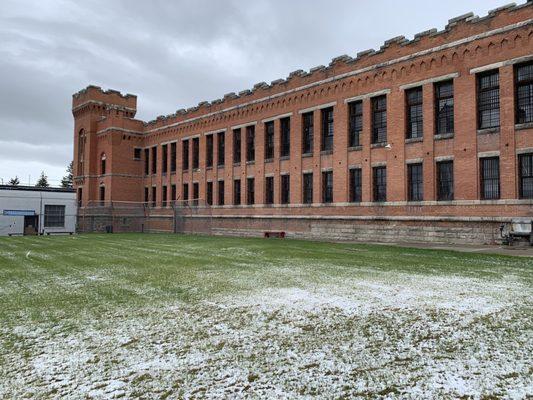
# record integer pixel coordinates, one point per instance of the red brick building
(423, 139)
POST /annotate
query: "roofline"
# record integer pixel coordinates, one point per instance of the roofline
(37, 189)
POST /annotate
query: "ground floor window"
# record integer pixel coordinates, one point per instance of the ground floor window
(54, 216)
(379, 184)
(526, 176)
(445, 180)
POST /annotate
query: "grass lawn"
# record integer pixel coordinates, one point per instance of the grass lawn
(174, 316)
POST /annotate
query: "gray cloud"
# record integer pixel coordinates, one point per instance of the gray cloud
(172, 54)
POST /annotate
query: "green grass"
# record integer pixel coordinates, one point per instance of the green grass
(64, 287)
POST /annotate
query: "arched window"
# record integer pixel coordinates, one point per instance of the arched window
(81, 151)
(102, 164)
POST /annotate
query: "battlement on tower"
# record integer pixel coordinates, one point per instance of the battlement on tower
(95, 95)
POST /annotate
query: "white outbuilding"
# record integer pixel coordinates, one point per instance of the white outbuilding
(28, 210)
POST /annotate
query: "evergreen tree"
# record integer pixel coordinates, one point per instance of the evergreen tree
(66, 182)
(43, 181)
(14, 181)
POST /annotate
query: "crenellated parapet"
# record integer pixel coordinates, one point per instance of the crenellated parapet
(94, 97)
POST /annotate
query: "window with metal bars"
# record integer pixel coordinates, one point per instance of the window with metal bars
(146, 195)
(250, 191)
(285, 189)
(379, 119)
(269, 190)
(102, 195)
(185, 155)
(137, 154)
(525, 165)
(285, 137)
(490, 178)
(379, 175)
(269, 140)
(164, 161)
(308, 188)
(237, 192)
(415, 114)
(415, 182)
(524, 93)
(54, 216)
(488, 100)
(154, 196)
(220, 193)
(146, 161)
(165, 196)
(195, 193)
(173, 157)
(221, 149)
(185, 193)
(444, 120)
(173, 192)
(154, 160)
(356, 187)
(445, 180)
(196, 153)
(327, 129)
(209, 151)
(209, 193)
(250, 143)
(327, 187)
(307, 133)
(355, 116)
(237, 145)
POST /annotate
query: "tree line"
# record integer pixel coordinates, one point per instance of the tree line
(66, 182)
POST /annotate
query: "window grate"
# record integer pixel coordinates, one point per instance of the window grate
(54, 216)
(308, 188)
(269, 140)
(220, 193)
(307, 122)
(250, 143)
(237, 145)
(237, 192)
(285, 125)
(327, 129)
(415, 120)
(356, 187)
(209, 151)
(269, 190)
(379, 119)
(355, 111)
(250, 191)
(525, 164)
(185, 154)
(524, 93)
(285, 189)
(380, 184)
(444, 108)
(445, 180)
(327, 187)
(488, 102)
(221, 149)
(415, 178)
(490, 178)
(196, 153)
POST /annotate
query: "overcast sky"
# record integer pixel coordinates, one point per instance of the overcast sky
(172, 54)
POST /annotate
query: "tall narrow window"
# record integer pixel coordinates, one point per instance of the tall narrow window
(490, 178)
(80, 197)
(269, 190)
(154, 160)
(269, 140)
(250, 143)
(154, 196)
(185, 155)
(415, 120)
(220, 193)
(525, 165)
(285, 189)
(415, 182)
(196, 153)
(209, 193)
(355, 116)
(173, 193)
(221, 149)
(356, 187)
(165, 196)
(250, 191)
(209, 151)
(379, 119)
(285, 137)
(81, 151)
(307, 133)
(445, 180)
(327, 129)
(524, 93)
(185, 193)
(236, 146)
(146, 161)
(488, 100)
(137, 154)
(164, 159)
(444, 121)
(173, 157)
(308, 188)
(146, 195)
(237, 192)
(379, 184)
(102, 195)
(195, 193)
(103, 160)
(327, 187)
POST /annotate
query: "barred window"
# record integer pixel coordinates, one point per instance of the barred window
(237, 145)
(285, 189)
(102, 195)
(490, 178)
(524, 93)
(327, 187)
(173, 192)
(209, 151)
(173, 157)
(356, 187)
(165, 195)
(164, 161)
(196, 153)
(269, 140)
(146, 161)
(185, 192)
(379, 119)
(154, 160)
(209, 193)
(250, 191)
(185, 155)
(221, 149)
(154, 195)
(220, 193)
(285, 137)
(415, 182)
(355, 117)
(445, 180)
(327, 129)
(195, 193)
(269, 190)
(415, 120)
(307, 142)
(146, 195)
(444, 121)
(54, 216)
(250, 143)
(488, 101)
(136, 154)
(525, 162)
(237, 192)
(380, 183)
(308, 188)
